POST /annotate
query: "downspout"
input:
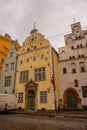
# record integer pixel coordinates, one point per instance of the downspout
(52, 74)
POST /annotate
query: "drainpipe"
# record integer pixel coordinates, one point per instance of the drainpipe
(52, 74)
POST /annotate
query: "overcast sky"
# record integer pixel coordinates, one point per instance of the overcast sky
(52, 17)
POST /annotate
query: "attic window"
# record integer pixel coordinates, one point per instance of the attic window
(32, 39)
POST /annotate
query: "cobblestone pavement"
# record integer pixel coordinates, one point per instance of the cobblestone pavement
(36, 122)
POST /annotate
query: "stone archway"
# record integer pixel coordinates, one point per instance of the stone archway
(71, 98)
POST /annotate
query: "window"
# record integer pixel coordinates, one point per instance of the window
(64, 71)
(77, 46)
(7, 81)
(82, 55)
(27, 60)
(79, 56)
(82, 67)
(11, 54)
(76, 83)
(72, 47)
(80, 45)
(73, 67)
(32, 39)
(34, 58)
(43, 97)
(23, 76)
(20, 97)
(39, 74)
(70, 57)
(79, 37)
(28, 49)
(42, 56)
(73, 57)
(6, 67)
(84, 91)
(35, 47)
(12, 66)
(21, 62)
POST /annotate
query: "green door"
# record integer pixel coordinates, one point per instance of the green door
(31, 100)
(71, 100)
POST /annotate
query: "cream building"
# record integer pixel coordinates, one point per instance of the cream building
(73, 69)
(37, 74)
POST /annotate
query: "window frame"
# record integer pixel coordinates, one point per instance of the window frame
(24, 75)
(20, 97)
(40, 74)
(43, 96)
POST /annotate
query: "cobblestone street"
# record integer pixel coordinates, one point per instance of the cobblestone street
(36, 122)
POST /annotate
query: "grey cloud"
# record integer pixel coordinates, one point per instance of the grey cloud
(51, 16)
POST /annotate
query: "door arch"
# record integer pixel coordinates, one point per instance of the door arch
(70, 97)
(31, 100)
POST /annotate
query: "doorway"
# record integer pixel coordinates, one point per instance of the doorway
(71, 99)
(31, 100)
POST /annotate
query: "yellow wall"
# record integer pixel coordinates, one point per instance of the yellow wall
(43, 48)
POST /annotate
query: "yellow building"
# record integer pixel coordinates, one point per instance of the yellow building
(5, 44)
(37, 74)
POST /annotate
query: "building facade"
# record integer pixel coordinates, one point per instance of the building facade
(5, 43)
(8, 74)
(37, 74)
(73, 69)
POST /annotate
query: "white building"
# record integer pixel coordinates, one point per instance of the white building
(73, 69)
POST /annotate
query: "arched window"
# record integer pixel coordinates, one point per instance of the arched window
(73, 67)
(64, 71)
(82, 67)
(63, 55)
